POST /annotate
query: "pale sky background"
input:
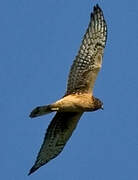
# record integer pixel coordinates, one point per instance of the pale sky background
(38, 41)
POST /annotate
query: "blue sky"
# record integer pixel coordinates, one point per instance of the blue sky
(38, 42)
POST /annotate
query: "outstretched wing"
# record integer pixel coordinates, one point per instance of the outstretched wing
(88, 62)
(57, 135)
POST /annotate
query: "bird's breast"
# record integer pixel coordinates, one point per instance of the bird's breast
(75, 103)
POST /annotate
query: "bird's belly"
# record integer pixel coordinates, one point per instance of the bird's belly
(75, 104)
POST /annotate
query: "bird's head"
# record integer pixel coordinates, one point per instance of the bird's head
(98, 104)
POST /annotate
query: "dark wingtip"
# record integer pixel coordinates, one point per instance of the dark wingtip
(96, 7)
(32, 170)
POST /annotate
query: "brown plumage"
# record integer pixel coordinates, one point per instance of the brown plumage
(79, 96)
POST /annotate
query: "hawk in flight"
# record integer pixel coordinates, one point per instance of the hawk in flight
(78, 97)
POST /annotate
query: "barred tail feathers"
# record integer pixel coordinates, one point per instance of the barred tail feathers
(41, 110)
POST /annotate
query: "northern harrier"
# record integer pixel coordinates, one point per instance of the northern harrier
(78, 97)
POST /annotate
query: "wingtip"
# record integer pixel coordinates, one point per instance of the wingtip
(97, 7)
(32, 170)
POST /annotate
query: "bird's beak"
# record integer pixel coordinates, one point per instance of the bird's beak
(102, 107)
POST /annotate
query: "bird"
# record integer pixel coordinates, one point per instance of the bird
(78, 97)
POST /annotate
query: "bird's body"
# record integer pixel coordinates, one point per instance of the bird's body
(75, 103)
(70, 103)
(79, 95)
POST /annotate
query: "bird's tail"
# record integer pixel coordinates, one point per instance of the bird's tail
(41, 110)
